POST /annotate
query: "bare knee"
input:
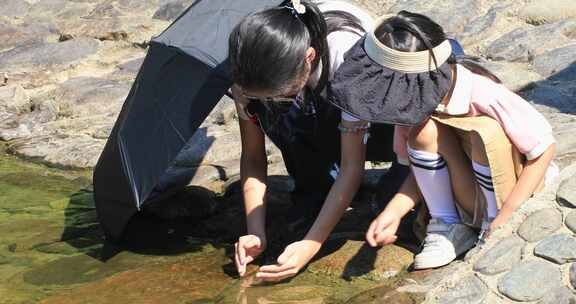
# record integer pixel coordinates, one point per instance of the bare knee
(424, 137)
(478, 150)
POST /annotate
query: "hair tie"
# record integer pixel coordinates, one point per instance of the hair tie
(296, 8)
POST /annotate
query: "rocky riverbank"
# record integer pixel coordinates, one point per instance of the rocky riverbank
(66, 67)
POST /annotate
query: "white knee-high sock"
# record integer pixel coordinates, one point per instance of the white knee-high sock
(484, 179)
(433, 179)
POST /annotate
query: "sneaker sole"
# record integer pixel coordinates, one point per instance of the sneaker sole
(426, 263)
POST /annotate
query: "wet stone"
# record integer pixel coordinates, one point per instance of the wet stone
(501, 257)
(470, 290)
(540, 224)
(571, 221)
(566, 195)
(559, 249)
(561, 295)
(522, 283)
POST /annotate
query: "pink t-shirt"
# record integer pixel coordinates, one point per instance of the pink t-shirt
(476, 95)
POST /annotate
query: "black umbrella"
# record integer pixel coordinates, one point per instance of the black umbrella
(184, 75)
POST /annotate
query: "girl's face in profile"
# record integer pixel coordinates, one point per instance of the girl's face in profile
(291, 91)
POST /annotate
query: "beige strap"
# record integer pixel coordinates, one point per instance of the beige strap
(405, 62)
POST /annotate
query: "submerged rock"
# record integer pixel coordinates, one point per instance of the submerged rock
(356, 259)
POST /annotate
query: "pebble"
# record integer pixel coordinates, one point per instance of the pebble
(540, 224)
(470, 290)
(522, 283)
(560, 248)
(501, 257)
(566, 195)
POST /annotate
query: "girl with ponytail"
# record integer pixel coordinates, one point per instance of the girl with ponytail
(281, 61)
(476, 150)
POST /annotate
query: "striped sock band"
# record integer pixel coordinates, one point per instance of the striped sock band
(484, 179)
(433, 179)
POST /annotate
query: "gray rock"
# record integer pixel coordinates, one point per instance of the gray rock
(436, 9)
(523, 44)
(47, 7)
(171, 9)
(514, 76)
(104, 10)
(470, 290)
(14, 99)
(559, 249)
(210, 145)
(554, 95)
(566, 195)
(485, 26)
(45, 55)
(224, 112)
(74, 151)
(129, 68)
(12, 36)
(14, 8)
(557, 64)
(540, 224)
(572, 275)
(530, 281)
(85, 96)
(561, 295)
(547, 11)
(571, 221)
(501, 257)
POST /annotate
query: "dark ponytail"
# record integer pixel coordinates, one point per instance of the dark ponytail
(411, 32)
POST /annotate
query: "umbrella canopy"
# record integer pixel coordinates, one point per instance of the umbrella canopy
(182, 78)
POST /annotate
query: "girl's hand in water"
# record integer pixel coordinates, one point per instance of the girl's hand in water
(290, 262)
(246, 250)
(383, 229)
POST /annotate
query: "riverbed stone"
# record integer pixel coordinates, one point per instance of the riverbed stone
(560, 295)
(45, 55)
(501, 257)
(357, 259)
(470, 290)
(572, 275)
(540, 224)
(194, 278)
(571, 221)
(559, 249)
(530, 281)
(513, 75)
(557, 63)
(171, 9)
(547, 11)
(523, 44)
(14, 8)
(566, 195)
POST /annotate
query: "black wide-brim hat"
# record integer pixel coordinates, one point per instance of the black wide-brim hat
(382, 85)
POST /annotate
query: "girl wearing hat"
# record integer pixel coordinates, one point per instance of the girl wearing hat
(281, 59)
(476, 150)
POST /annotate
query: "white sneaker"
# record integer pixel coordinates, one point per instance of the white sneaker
(443, 243)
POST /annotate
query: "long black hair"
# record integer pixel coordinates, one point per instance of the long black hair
(267, 49)
(411, 32)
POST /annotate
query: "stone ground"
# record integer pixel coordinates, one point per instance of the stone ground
(67, 65)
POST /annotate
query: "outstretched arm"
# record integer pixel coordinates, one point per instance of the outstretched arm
(253, 171)
(298, 254)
